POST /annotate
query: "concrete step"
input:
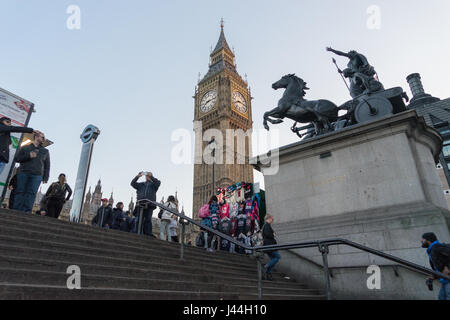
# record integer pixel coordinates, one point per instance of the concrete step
(33, 277)
(11, 262)
(56, 227)
(35, 253)
(116, 260)
(21, 237)
(10, 291)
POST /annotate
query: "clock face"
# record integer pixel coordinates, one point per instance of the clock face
(208, 101)
(239, 102)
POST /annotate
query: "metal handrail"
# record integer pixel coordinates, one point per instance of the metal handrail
(323, 246)
(338, 241)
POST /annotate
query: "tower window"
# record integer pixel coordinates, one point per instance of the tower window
(446, 148)
(446, 151)
(442, 127)
(444, 130)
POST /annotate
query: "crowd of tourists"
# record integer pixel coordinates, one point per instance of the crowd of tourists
(238, 220)
(126, 221)
(34, 169)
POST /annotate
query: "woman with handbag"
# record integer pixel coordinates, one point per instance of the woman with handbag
(164, 229)
(56, 196)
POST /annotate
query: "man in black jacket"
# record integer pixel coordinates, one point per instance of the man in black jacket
(117, 214)
(5, 139)
(439, 255)
(121, 220)
(57, 194)
(104, 217)
(146, 191)
(269, 239)
(34, 168)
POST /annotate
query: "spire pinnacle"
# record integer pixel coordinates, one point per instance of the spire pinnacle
(222, 43)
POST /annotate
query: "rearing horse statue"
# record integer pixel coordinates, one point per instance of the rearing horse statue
(321, 113)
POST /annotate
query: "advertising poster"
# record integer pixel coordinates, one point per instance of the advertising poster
(19, 110)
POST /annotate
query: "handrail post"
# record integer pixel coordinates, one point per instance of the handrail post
(259, 278)
(183, 229)
(324, 251)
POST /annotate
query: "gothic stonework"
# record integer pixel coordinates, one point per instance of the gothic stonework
(222, 101)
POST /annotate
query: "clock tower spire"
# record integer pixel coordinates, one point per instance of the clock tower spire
(222, 102)
(222, 57)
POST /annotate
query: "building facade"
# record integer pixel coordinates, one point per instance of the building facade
(436, 113)
(223, 104)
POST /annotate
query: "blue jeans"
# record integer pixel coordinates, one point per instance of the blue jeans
(164, 231)
(444, 294)
(2, 166)
(232, 245)
(275, 256)
(27, 187)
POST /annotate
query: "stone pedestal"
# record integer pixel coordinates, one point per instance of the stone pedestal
(375, 184)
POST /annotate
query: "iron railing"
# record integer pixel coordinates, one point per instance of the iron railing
(322, 245)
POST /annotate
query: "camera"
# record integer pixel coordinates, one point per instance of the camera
(430, 284)
(144, 173)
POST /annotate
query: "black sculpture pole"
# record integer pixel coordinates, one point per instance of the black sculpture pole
(213, 154)
(340, 72)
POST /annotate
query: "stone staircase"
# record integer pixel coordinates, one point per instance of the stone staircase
(35, 253)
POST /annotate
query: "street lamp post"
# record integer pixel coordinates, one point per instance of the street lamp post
(88, 137)
(213, 153)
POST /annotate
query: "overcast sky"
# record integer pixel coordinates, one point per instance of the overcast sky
(132, 68)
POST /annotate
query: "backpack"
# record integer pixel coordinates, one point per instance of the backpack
(204, 211)
(160, 213)
(200, 240)
(445, 253)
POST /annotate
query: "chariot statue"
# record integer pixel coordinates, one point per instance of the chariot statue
(370, 101)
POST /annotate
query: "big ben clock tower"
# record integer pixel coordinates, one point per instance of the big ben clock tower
(222, 102)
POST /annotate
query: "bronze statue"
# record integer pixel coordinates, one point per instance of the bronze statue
(360, 72)
(321, 113)
(370, 101)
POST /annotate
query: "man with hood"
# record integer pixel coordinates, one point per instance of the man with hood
(439, 255)
(121, 221)
(104, 217)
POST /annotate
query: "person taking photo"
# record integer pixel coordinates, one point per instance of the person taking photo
(146, 191)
